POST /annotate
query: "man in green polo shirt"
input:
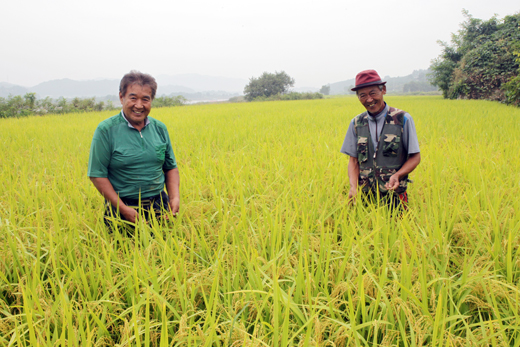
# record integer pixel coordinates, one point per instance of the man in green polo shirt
(131, 156)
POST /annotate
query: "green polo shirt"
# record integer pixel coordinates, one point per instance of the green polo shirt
(134, 162)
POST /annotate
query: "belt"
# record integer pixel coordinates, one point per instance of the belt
(145, 202)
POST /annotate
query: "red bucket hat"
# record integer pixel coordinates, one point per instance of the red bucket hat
(367, 78)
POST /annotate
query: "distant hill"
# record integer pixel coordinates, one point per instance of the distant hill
(69, 88)
(198, 86)
(168, 90)
(195, 87)
(203, 83)
(7, 89)
(305, 89)
(417, 81)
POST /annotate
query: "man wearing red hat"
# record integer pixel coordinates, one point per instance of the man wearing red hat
(382, 145)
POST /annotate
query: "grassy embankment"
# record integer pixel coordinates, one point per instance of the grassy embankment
(266, 251)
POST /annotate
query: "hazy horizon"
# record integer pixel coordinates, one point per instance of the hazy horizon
(315, 44)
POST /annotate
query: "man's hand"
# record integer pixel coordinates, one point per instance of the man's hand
(393, 182)
(353, 175)
(352, 196)
(172, 186)
(412, 162)
(128, 213)
(106, 189)
(174, 205)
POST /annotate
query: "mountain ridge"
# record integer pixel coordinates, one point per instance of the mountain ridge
(195, 85)
(418, 80)
(167, 85)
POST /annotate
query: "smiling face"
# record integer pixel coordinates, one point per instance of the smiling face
(137, 104)
(372, 98)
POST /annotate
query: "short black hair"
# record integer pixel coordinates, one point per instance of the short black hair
(139, 78)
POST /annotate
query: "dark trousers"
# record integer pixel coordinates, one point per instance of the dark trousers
(156, 205)
(395, 201)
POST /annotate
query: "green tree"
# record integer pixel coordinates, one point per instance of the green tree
(30, 100)
(512, 88)
(325, 90)
(168, 101)
(480, 63)
(63, 106)
(267, 85)
(17, 106)
(44, 106)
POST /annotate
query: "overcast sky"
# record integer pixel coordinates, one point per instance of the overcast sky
(316, 42)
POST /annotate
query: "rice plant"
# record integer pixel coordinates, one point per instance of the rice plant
(266, 250)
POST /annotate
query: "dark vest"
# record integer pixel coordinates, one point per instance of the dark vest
(376, 165)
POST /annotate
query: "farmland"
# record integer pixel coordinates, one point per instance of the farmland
(266, 250)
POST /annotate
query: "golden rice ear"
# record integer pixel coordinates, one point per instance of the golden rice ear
(268, 249)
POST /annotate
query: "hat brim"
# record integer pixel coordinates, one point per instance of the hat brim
(368, 84)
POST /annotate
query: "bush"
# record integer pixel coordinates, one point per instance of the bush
(512, 88)
(17, 106)
(291, 96)
(480, 63)
(168, 101)
(268, 85)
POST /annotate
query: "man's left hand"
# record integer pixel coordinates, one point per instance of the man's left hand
(393, 182)
(175, 204)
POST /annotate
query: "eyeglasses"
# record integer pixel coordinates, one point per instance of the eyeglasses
(373, 93)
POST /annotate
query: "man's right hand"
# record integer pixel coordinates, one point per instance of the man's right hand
(352, 196)
(128, 213)
(106, 189)
(353, 176)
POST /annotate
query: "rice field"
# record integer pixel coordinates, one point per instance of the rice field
(266, 250)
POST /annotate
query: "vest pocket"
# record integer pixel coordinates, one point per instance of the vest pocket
(391, 145)
(366, 179)
(362, 149)
(384, 177)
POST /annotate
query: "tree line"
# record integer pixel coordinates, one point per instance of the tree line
(274, 86)
(482, 61)
(20, 106)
